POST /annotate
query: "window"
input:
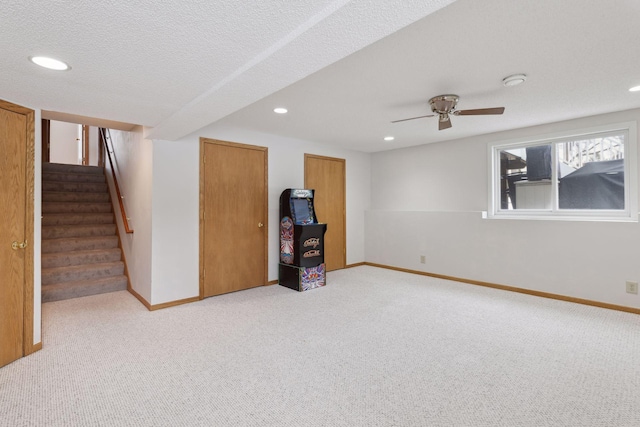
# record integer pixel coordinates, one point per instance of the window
(588, 174)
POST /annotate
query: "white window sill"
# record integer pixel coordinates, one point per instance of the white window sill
(554, 217)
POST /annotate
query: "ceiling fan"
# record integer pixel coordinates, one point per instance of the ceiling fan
(445, 105)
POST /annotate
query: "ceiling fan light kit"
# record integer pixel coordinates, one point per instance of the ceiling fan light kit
(444, 105)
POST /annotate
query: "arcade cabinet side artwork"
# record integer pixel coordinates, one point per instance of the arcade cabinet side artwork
(301, 242)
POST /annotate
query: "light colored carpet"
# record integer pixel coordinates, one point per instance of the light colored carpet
(373, 348)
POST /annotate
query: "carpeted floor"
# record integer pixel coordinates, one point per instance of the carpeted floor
(373, 348)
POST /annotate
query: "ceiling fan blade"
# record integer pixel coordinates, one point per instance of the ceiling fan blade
(444, 123)
(413, 118)
(479, 111)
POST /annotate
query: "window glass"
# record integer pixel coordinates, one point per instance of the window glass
(525, 177)
(591, 173)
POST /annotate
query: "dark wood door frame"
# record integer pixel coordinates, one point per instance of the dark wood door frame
(46, 140)
(85, 144)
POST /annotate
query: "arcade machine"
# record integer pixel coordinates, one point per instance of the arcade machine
(301, 242)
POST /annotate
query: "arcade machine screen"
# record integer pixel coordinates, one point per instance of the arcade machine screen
(302, 212)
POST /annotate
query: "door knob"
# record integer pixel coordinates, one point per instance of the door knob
(260, 225)
(15, 245)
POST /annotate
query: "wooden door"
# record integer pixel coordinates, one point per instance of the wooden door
(16, 231)
(326, 175)
(233, 227)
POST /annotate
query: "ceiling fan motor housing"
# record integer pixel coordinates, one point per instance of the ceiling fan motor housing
(443, 104)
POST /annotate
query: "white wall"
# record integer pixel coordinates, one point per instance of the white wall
(175, 265)
(94, 146)
(175, 247)
(428, 200)
(133, 163)
(64, 143)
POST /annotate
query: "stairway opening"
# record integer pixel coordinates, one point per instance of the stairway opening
(81, 254)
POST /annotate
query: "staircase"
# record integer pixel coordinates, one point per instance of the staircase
(80, 253)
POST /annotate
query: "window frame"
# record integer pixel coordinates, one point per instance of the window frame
(630, 213)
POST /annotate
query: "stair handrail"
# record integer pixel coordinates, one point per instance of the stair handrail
(106, 134)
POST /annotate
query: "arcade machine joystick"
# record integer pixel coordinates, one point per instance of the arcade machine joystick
(301, 242)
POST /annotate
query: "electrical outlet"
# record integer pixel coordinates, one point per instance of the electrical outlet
(423, 260)
(632, 288)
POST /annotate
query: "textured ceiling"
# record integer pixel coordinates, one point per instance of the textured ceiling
(344, 69)
(176, 66)
(580, 57)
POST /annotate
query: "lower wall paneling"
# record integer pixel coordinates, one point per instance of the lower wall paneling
(587, 261)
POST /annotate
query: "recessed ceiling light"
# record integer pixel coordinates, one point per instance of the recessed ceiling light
(514, 80)
(280, 110)
(389, 138)
(635, 89)
(50, 63)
